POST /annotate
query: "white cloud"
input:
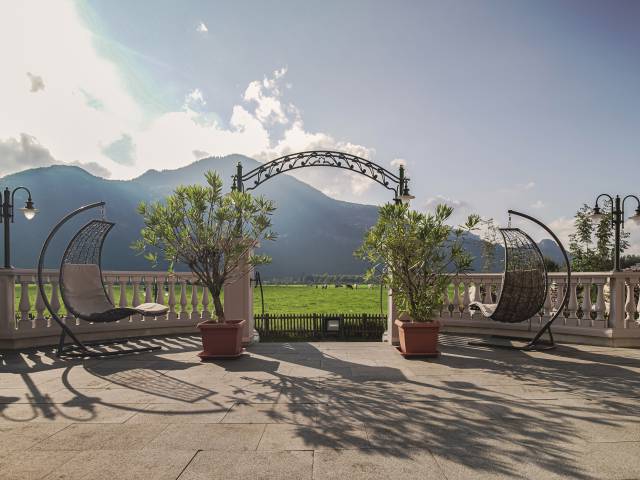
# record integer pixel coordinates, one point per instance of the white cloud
(194, 99)
(431, 202)
(526, 186)
(23, 152)
(396, 162)
(86, 114)
(202, 28)
(538, 204)
(26, 152)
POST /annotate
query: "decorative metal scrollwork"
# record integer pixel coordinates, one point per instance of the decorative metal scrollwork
(321, 158)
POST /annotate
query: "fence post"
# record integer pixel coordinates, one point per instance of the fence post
(7, 305)
(265, 319)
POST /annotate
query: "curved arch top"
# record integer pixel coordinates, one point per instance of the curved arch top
(322, 158)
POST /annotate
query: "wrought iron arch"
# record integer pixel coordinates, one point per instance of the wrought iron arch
(399, 184)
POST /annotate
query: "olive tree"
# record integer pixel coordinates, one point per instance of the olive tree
(212, 233)
(418, 253)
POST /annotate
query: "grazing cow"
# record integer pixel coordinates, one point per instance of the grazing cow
(349, 286)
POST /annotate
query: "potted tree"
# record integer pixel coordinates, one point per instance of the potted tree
(419, 252)
(214, 235)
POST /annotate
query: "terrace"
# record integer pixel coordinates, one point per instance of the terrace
(322, 410)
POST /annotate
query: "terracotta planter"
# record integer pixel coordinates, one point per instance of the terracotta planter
(221, 340)
(419, 339)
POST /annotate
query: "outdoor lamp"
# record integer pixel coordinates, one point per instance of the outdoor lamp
(29, 210)
(596, 214)
(406, 197)
(635, 218)
(617, 220)
(6, 217)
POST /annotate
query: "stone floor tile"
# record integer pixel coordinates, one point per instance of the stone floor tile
(69, 412)
(612, 461)
(283, 465)
(208, 437)
(294, 413)
(202, 412)
(110, 465)
(302, 437)
(20, 437)
(373, 464)
(80, 437)
(31, 465)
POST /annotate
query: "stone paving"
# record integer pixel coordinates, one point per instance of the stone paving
(322, 411)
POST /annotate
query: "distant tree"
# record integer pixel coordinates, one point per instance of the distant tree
(551, 265)
(592, 245)
(489, 240)
(629, 261)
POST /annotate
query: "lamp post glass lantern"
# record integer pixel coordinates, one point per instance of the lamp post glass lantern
(617, 220)
(29, 211)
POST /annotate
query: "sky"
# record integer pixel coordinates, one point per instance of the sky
(490, 104)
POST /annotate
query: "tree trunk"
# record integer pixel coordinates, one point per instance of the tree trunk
(217, 305)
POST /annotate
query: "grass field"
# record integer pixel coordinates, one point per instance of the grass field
(280, 299)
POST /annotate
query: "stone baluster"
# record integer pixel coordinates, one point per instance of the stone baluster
(560, 290)
(476, 298)
(148, 295)
(488, 297)
(122, 281)
(455, 311)
(617, 288)
(25, 302)
(498, 290)
(630, 302)
(206, 315)
(601, 307)
(24, 306)
(40, 320)
(638, 305)
(110, 293)
(55, 295)
(586, 302)
(466, 299)
(184, 315)
(171, 283)
(160, 291)
(135, 301)
(547, 307)
(445, 304)
(572, 305)
(195, 314)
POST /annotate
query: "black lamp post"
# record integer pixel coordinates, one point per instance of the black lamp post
(403, 195)
(28, 210)
(617, 220)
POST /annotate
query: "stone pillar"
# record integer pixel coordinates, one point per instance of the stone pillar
(7, 305)
(616, 300)
(391, 335)
(238, 304)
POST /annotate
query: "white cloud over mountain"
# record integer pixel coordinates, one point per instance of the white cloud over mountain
(86, 114)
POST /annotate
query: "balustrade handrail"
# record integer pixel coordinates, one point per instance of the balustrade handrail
(612, 305)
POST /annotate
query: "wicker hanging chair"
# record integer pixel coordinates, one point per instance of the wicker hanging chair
(525, 284)
(82, 289)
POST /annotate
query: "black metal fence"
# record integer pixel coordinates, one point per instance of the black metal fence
(341, 326)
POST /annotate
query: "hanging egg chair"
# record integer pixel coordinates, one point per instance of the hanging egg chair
(525, 285)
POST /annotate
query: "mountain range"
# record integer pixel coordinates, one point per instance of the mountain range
(316, 233)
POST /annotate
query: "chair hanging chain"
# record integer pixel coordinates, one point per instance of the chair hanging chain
(103, 212)
(509, 224)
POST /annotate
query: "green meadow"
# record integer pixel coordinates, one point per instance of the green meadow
(277, 299)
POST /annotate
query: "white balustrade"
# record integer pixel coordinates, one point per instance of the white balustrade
(585, 316)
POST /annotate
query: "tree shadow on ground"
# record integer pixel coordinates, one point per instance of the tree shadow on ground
(476, 410)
